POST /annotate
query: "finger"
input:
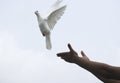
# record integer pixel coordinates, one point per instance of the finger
(70, 47)
(58, 54)
(62, 54)
(83, 54)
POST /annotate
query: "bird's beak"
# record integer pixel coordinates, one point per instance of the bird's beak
(36, 12)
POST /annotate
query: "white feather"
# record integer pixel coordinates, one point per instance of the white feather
(48, 42)
(55, 16)
(55, 6)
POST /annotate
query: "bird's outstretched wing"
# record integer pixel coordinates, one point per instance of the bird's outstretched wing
(55, 16)
(55, 6)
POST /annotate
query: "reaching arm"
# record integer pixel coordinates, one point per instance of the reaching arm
(104, 72)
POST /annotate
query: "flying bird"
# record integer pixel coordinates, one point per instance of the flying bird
(47, 23)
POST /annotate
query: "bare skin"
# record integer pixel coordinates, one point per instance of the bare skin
(104, 72)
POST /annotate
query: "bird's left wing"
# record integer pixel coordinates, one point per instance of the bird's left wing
(55, 16)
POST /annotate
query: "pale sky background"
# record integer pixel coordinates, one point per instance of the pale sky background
(89, 25)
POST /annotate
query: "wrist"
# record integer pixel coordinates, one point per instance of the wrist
(81, 62)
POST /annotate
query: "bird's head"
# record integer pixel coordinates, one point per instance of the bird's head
(36, 12)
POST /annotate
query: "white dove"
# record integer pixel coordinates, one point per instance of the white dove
(47, 23)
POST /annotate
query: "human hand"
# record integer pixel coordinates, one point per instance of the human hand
(70, 56)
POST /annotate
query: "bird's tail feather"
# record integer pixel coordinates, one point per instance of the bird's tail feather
(48, 42)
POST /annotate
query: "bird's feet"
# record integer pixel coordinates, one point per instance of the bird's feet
(43, 34)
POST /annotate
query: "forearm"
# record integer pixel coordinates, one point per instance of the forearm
(107, 71)
(89, 65)
(99, 69)
(105, 80)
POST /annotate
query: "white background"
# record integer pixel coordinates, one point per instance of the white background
(89, 25)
